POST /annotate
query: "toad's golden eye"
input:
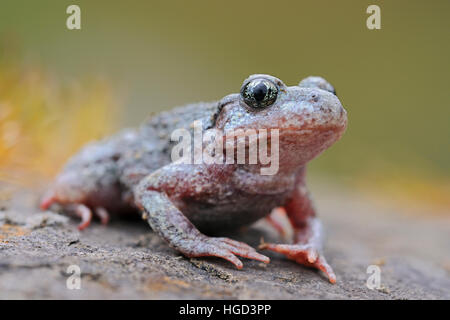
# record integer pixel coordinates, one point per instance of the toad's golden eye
(259, 93)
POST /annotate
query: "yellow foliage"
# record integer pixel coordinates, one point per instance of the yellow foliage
(43, 122)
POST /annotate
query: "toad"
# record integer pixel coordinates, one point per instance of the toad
(187, 203)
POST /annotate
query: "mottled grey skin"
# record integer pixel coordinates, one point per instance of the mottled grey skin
(132, 171)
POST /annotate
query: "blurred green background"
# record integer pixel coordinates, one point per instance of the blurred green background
(154, 55)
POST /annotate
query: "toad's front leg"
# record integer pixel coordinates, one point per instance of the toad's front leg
(151, 196)
(308, 235)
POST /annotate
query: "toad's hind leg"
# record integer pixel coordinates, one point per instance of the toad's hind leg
(275, 220)
(102, 214)
(83, 212)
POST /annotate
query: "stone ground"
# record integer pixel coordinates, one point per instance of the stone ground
(126, 260)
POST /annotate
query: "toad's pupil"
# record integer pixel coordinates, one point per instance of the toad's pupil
(260, 91)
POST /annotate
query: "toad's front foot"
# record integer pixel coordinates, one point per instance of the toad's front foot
(171, 224)
(304, 254)
(224, 248)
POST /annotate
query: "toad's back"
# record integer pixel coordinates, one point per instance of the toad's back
(106, 170)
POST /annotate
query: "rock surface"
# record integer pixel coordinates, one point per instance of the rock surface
(126, 260)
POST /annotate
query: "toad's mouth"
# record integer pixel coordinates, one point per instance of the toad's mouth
(298, 138)
(306, 128)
